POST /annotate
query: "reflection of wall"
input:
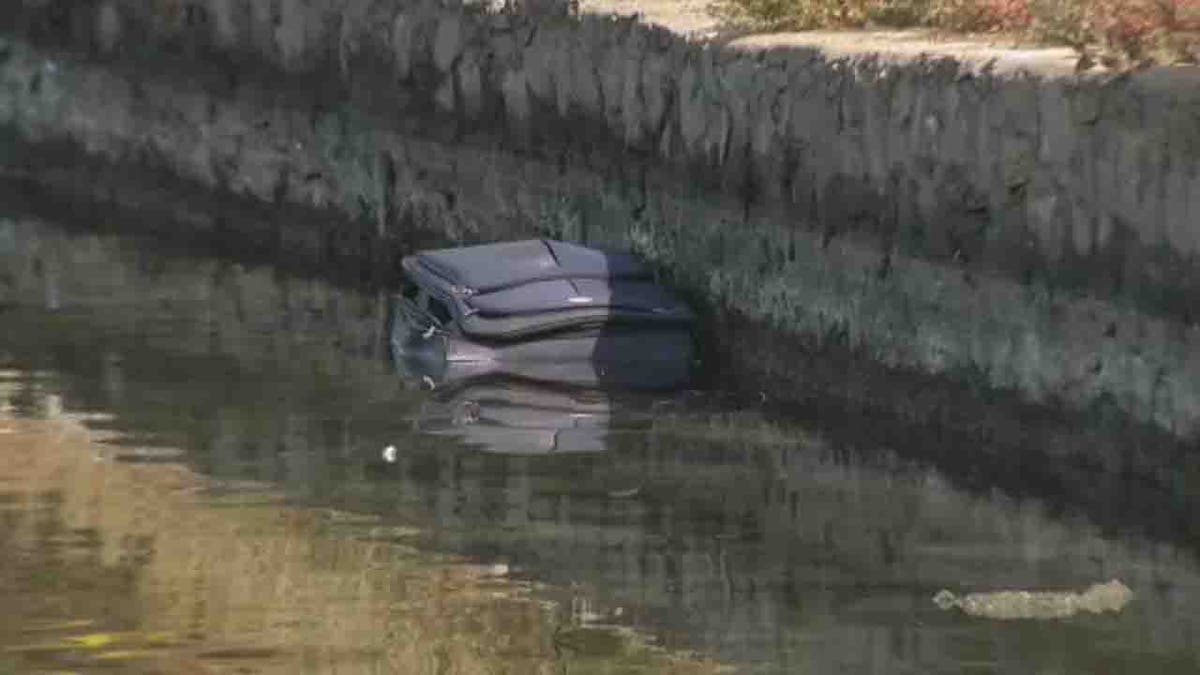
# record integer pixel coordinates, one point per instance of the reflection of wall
(144, 555)
(201, 306)
(734, 531)
(770, 541)
(256, 577)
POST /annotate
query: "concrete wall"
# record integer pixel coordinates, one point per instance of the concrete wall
(1030, 232)
(953, 160)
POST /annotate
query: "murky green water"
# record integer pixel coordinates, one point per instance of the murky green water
(206, 467)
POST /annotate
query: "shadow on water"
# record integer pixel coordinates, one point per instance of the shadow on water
(698, 517)
(121, 567)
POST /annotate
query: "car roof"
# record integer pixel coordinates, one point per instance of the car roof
(492, 267)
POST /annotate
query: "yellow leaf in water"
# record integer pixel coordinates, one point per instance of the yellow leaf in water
(160, 639)
(94, 640)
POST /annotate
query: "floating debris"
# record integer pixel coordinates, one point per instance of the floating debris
(95, 640)
(595, 640)
(1097, 599)
(121, 643)
(625, 494)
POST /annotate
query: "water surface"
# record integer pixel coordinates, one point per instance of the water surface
(208, 466)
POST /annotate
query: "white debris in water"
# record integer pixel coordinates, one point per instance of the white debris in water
(625, 494)
(389, 454)
(1097, 599)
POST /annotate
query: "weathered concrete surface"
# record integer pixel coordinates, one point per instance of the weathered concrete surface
(1000, 158)
(1034, 234)
(990, 157)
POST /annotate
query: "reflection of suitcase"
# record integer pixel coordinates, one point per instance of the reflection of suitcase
(507, 417)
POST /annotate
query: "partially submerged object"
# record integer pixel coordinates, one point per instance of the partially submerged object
(1098, 598)
(542, 310)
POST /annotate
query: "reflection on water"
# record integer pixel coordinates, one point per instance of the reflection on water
(518, 418)
(150, 566)
(194, 468)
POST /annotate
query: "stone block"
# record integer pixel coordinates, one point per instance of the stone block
(657, 82)
(1019, 100)
(260, 33)
(612, 81)
(1083, 226)
(445, 96)
(916, 124)
(539, 62)
(692, 107)
(807, 115)
(562, 77)
(1085, 104)
(109, 27)
(1179, 232)
(957, 126)
(1123, 149)
(717, 134)
(356, 25)
(1042, 217)
(764, 130)
(1193, 212)
(227, 17)
(1107, 172)
(470, 85)
(292, 35)
(448, 40)
(1106, 226)
(1057, 138)
(403, 41)
(516, 98)
(631, 102)
(586, 92)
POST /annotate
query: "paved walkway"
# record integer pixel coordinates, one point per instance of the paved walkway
(689, 17)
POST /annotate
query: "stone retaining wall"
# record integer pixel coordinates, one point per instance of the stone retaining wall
(1032, 232)
(982, 162)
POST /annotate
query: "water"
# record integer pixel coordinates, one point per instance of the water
(208, 466)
